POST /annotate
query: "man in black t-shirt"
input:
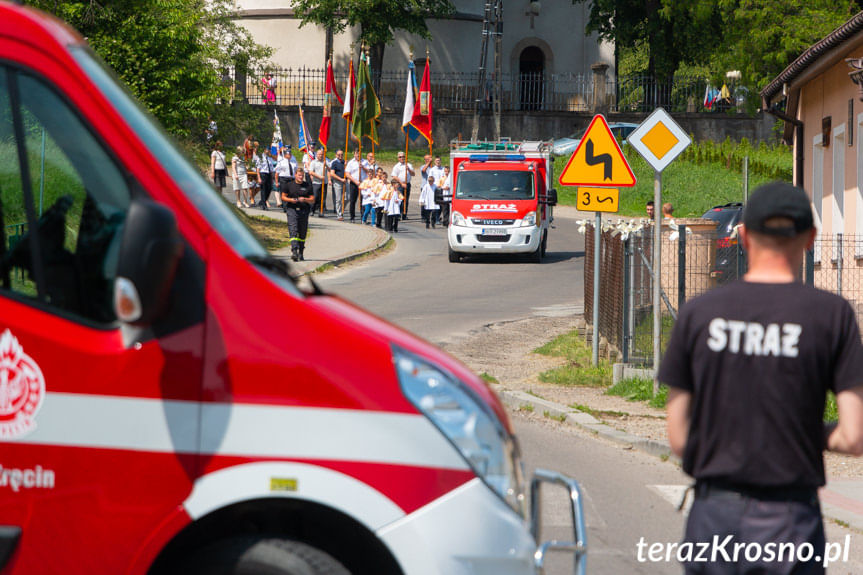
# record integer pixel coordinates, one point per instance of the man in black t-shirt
(749, 365)
(297, 198)
(337, 183)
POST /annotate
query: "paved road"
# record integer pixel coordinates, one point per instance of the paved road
(628, 495)
(418, 288)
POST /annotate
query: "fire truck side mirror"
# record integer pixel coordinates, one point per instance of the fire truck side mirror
(551, 200)
(149, 253)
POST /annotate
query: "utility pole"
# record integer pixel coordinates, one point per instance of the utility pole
(492, 25)
(498, 37)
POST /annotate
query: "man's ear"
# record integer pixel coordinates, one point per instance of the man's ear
(810, 241)
(743, 236)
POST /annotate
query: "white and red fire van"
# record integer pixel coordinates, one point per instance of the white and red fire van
(154, 418)
(502, 198)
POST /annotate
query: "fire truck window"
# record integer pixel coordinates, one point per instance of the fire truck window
(77, 200)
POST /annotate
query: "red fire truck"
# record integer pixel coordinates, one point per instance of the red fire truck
(502, 198)
(154, 419)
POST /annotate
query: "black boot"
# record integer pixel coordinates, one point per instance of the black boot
(295, 254)
(302, 249)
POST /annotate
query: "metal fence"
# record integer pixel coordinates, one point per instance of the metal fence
(536, 91)
(836, 265)
(693, 261)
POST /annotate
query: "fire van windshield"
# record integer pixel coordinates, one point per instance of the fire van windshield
(502, 185)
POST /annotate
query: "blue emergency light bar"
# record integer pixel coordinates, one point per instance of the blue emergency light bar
(496, 157)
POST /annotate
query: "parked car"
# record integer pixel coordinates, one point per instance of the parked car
(725, 268)
(566, 146)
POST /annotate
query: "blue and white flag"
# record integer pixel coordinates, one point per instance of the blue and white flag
(276, 145)
(305, 141)
(411, 93)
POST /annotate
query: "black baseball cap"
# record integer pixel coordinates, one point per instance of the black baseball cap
(778, 200)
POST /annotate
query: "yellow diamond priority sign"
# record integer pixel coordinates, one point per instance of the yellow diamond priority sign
(659, 139)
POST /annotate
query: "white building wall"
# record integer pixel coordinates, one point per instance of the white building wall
(455, 45)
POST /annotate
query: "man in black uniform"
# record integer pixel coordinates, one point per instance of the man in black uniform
(749, 365)
(297, 197)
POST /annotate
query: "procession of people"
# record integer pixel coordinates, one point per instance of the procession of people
(383, 198)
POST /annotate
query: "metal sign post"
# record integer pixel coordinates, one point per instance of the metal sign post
(657, 266)
(659, 140)
(597, 239)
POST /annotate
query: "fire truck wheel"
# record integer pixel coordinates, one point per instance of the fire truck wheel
(536, 255)
(544, 242)
(454, 256)
(262, 556)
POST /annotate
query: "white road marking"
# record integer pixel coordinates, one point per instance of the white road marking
(674, 495)
(558, 310)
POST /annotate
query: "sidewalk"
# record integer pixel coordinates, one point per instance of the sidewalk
(329, 242)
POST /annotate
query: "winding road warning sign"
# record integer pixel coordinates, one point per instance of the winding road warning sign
(597, 161)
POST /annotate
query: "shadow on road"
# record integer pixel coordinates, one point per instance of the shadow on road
(550, 257)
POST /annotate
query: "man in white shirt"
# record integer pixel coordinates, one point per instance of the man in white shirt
(319, 171)
(370, 165)
(354, 174)
(402, 172)
(446, 188)
(436, 171)
(307, 165)
(286, 167)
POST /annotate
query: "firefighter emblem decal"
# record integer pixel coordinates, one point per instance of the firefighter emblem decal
(22, 388)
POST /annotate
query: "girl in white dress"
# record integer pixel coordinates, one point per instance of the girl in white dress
(241, 178)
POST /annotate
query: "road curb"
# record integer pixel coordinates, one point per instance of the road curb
(574, 417)
(383, 240)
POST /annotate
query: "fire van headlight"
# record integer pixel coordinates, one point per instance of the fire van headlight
(467, 422)
(529, 220)
(457, 219)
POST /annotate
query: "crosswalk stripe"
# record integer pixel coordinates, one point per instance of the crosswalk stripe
(673, 494)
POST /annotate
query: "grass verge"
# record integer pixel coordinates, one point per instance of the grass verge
(639, 390)
(693, 188)
(578, 369)
(488, 378)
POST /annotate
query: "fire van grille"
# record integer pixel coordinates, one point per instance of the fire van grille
(482, 222)
(492, 239)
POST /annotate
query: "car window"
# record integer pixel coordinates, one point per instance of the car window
(201, 193)
(62, 197)
(726, 218)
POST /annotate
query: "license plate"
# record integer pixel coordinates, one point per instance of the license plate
(493, 232)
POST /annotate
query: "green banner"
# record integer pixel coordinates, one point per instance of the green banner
(367, 107)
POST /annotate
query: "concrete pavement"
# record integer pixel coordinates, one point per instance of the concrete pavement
(332, 242)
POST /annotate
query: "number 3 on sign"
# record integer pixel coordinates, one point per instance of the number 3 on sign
(598, 199)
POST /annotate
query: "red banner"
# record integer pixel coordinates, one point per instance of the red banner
(330, 94)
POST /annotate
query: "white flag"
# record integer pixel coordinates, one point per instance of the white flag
(348, 109)
(410, 98)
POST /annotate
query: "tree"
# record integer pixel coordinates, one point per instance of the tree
(377, 19)
(170, 53)
(672, 31)
(758, 37)
(763, 37)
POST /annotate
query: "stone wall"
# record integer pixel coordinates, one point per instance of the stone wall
(451, 124)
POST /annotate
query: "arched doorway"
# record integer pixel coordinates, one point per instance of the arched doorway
(531, 68)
